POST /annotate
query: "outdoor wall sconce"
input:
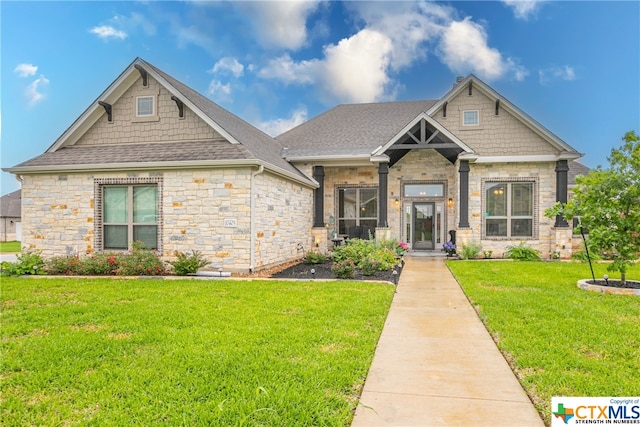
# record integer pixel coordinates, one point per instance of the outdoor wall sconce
(450, 202)
(396, 202)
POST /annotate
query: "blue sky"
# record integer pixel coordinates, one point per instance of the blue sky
(572, 66)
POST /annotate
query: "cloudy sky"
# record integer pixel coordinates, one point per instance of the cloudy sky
(572, 66)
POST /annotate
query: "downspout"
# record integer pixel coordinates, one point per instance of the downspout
(252, 221)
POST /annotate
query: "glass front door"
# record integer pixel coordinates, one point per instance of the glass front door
(423, 225)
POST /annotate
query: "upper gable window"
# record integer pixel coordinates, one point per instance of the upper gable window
(470, 118)
(145, 106)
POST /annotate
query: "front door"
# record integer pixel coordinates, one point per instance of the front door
(424, 226)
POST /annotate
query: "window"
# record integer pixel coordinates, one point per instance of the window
(470, 118)
(357, 207)
(144, 106)
(509, 209)
(423, 190)
(129, 213)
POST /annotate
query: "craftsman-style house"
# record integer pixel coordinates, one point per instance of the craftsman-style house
(153, 160)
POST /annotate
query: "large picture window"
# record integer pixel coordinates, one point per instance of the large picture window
(129, 213)
(509, 209)
(357, 207)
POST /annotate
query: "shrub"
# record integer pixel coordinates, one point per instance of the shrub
(99, 264)
(27, 262)
(522, 252)
(369, 266)
(470, 250)
(345, 269)
(187, 264)
(314, 257)
(354, 249)
(64, 264)
(140, 262)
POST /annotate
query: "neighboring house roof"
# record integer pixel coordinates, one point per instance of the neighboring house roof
(245, 143)
(10, 205)
(350, 130)
(575, 169)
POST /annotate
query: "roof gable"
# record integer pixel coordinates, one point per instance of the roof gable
(472, 83)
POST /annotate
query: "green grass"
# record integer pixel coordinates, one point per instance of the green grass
(10, 246)
(186, 352)
(559, 339)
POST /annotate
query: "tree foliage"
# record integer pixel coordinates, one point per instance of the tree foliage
(607, 201)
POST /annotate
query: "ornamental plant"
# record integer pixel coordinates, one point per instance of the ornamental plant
(607, 202)
(27, 262)
(188, 263)
(345, 269)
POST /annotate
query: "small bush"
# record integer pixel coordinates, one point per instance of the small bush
(27, 262)
(354, 249)
(188, 264)
(345, 269)
(100, 264)
(314, 257)
(140, 262)
(64, 264)
(522, 252)
(470, 251)
(369, 266)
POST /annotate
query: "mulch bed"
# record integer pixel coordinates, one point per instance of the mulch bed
(301, 270)
(629, 284)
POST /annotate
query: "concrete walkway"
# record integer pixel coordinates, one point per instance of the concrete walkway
(436, 364)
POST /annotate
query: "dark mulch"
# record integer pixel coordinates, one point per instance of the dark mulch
(629, 284)
(323, 271)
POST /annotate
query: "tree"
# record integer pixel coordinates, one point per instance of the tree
(607, 201)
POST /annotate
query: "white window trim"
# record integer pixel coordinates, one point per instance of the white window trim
(153, 106)
(477, 124)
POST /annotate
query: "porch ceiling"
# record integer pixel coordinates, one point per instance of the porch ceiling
(423, 135)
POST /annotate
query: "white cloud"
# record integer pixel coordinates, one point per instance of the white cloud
(281, 24)
(564, 72)
(523, 9)
(464, 49)
(26, 70)
(106, 32)
(285, 69)
(356, 68)
(34, 90)
(219, 91)
(228, 65)
(279, 126)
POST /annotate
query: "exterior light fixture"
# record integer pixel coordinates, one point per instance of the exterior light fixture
(450, 202)
(396, 202)
(313, 273)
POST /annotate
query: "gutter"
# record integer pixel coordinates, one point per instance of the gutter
(252, 221)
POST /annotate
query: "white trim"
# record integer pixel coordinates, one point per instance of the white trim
(522, 159)
(153, 106)
(412, 123)
(160, 166)
(470, 125)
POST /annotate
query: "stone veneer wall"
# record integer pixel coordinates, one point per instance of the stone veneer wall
(207, 210)
(126, 128)
(543, 174)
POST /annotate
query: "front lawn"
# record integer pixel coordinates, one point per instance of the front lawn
(559, 339)
(188, 352)
(10, 246)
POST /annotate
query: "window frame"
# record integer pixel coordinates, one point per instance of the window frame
(99, 210)
(153, 106)
(463, 118)
(358, 209)
(509, 216)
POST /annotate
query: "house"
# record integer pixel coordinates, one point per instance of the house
(10, 222)
(153, 160)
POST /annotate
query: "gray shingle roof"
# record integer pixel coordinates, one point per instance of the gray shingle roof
(11, 205)
(258, 144)
(576, 168)
(253, 144)
(141, 153)
(351, 129)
